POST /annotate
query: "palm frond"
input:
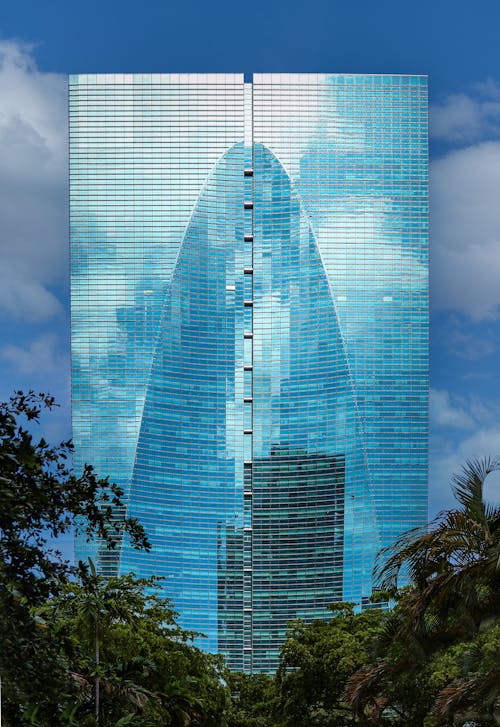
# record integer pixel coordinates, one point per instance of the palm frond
(364, 685)
(410, 546)
(475, 696)
(493, 515)
(468, 484)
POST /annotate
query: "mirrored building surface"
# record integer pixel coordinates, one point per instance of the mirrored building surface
(249, 268)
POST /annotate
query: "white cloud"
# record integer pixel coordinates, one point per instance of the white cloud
(458, 117)
(485, 441)
(26, 299)
(462, 428)
(450, 410)
(465, 270)
(40, 356)
(447, 411)
(465, 231)
(467, 340)
(33, 182)
(466, 117)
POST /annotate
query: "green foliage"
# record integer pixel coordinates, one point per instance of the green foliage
(438, 661)
(148, 670)
(89, 651)
(316, 661)
(466, 676)
(254, 700)
(41, 499)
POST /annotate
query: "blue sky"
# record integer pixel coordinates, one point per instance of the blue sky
(455, 43)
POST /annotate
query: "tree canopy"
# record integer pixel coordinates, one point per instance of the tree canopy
(118, 633)
(77, 649)
(41, 498)
(432, 659)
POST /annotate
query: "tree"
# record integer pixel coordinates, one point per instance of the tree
(316, 661)
(465, 678)
(149, 670)
(457, 558)
(41, 499)
(434, 658)
(424, 670)
(254, 700)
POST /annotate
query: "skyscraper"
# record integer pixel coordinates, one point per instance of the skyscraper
(249, 334)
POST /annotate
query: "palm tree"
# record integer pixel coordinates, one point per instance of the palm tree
(453, 566)
(456, 559)
(95, 606)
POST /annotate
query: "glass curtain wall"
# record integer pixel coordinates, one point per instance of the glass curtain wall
(249, 334)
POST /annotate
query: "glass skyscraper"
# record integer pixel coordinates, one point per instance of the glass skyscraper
(249, 264)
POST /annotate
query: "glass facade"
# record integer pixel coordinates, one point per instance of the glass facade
(249, 334)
